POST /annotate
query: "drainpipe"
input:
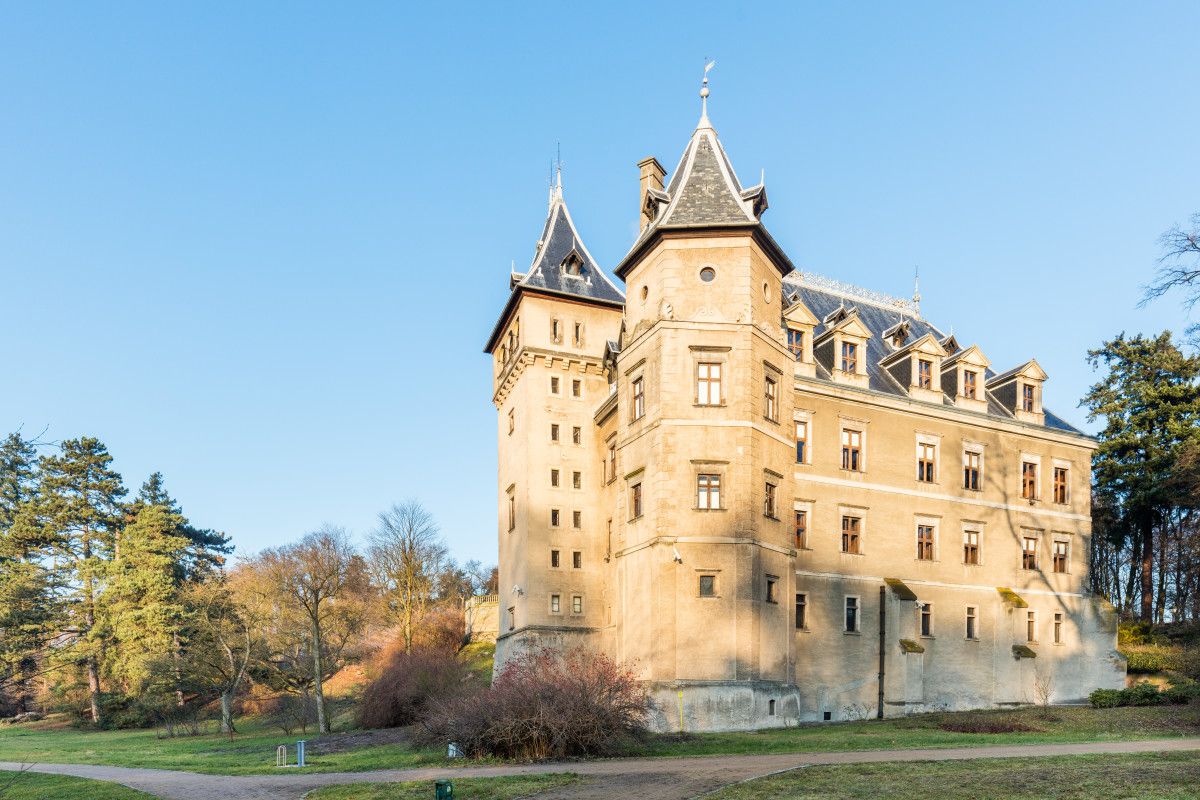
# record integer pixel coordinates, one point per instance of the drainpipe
(882, 644)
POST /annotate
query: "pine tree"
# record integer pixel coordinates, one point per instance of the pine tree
(79, 509)
(206, 549)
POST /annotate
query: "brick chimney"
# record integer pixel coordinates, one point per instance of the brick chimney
(651, 177)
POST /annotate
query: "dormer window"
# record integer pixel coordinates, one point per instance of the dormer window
(1027, 397)
(573, 264)
(917, 367)
(924, 373)
(795, 343)
(849, 357)
(970, 384)
(1020, 391)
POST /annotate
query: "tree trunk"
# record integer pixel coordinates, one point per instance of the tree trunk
(227, 711)
(318, 689)
(1147, 569)
(93, 672)
(175, 657)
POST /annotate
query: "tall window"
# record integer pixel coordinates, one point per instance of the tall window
(635, 500)
(512, 422)
(772, 589)
(1027, 396)
(925, 543)
(926, 461)
(771, 399)
(970, 382)
(1061, 553)
(801, 441)
(612, 462)
(801, 612)
(576, 435)
(851, 449)
(1031, 626)
(554, 477)
(1029, 480)
(555, 517)
(555, 330)
(577, 560)
(972, 632)
(769, 492)
(555, 604)
(801, 529)
(971, 464)
(1058, 627)
(971, 547)
(576, 519)
(576, 388)
(554, 431)
(795, 343)
(708, 384)
(639, 398)
(708, 585)
(554, 559)
(927, 619)
(849, 357)
(851, 614)
(1029, 552)
(554, 384)
(924, 373)
(578, 331)
(576, 604)
(1060, 484)
(851, 530)
(577, 480)
(512, 618)
(512, 511)
(708, 491)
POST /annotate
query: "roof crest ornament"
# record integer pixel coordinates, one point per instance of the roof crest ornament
(916, 301)
(704, 123)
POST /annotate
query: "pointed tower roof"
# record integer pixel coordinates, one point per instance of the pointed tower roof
(704, 192)
(561, 265)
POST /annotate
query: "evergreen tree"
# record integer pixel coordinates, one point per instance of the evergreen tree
(78, 507)
(206, 549)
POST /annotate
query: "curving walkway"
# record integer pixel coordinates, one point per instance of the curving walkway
(666, 778)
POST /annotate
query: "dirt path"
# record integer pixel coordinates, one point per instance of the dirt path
(664, 778)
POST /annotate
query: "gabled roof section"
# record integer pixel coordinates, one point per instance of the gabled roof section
(848, 322)
(799, 314)
(968, 355)
(1030, 369)
(927, 345)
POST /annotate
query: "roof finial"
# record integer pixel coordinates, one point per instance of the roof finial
(558, 168)
(917, 290)
(704, 123)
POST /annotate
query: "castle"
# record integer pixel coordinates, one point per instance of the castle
(777, 497)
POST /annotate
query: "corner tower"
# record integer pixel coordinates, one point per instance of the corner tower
(547, 353)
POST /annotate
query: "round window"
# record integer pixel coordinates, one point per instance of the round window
(708, 274)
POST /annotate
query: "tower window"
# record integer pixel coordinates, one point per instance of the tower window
(771, 399)
(708, 384)
(769, 492)
(708, 491)
(708, 585)
(639, 398)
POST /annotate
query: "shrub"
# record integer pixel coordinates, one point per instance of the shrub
(546, 704)
(1105, 698)
(410, 684)
(1144, 694)
(1149, 659)
(984, 723)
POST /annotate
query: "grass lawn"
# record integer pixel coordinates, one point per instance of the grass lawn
(1145, 776)
(32, 786)
(1059, 724)
(473, 788)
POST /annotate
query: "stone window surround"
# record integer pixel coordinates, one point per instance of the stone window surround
(702, 466)
(976, 527)
(1059, 463)
(710, 354)
(807, 507)
(1037, 535)
(772, 375)
(1029, 458)
(860, 512)
(934, 440)
(702, 572)
(807, 416)
(932, 521)
(979, 449)
(855, 425)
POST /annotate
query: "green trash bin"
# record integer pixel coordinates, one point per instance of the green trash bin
(443, 790)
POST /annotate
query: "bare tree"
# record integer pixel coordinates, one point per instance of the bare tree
(1179, 264)
(219, 651)
(407, 554)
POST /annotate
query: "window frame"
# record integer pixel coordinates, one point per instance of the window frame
(846, 613)
(853, 454)
(1061, 489)
(925, 628)
(710, 382)
(800, 528)
(924, 373)
(1063, 559)
(972, 472)
(638, 390)
(771, 589)
(1029, 479)
(770, 500)
(1059, 619)
(972, 624)
(975, 547)
(770, 398)
(708, 484)
(555, 558)
(849, 357)
(1029, 557)
(803, 451)
(927, 462)
(555, 603)
(800, 611)
(851, 534)
(712, 585)
(577, 520)
(636, 501)
(926, 544)
(970, 387)
(795, 343)
(1031, 627)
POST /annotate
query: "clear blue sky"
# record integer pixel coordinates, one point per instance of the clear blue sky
(259, 247)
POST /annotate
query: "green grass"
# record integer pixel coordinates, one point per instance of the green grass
(1060, 724)
(1145, 776)
(478, 658)
(251, 752)
(34, 786)
(466, 788)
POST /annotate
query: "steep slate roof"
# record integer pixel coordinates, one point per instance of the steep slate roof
(879, 317)
(558, 242)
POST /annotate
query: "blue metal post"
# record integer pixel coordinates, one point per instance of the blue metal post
(300, 753)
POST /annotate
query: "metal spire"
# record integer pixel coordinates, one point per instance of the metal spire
(704, 123)
(917, 290)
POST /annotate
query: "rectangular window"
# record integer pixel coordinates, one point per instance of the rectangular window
(1027, 397)
(578, 334)
(971, 547)
(1060, 485)
(801, 612)
(576, 560)
(555, 330)
(927, 619)
(769, 490)
(577, 519)
(612, 462)
(925, 543)
(554, 560)
(554, 477)
(512, 618)
(801, 441)
(971, 465)
(795, 343)
(708, 585)
(555, 604)
(1029, 480)
(554, 385)
(1061, 554)
(512, 511)
(771, 399)
(772, 589)
(851, 530)
(577, 480)
(708, 491)
(639, 398)
(576, 435)
(801, 529)
(635, 500)
(708, 384)
(926, 462)
(924, 373)
(512, 422)
(555, 516)
(972, 633)
(576, 388)
(1029, 552)
(970, 382)
(1031, 626)
(851, 449)
(852, 615)
(849, 357)
(1058, 627)
(554, 431)
(577, 604)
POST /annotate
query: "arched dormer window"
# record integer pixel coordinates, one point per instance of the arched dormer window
(573, 265)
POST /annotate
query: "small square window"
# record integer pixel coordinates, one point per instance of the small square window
(708, 585)
(708, 492)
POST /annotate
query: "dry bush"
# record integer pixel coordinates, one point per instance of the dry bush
(981, 723)
(441, 628)
(546, 704)
(408, 684)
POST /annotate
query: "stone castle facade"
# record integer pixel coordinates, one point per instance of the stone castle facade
(779, 498)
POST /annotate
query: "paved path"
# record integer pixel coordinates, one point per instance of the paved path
(665, 778)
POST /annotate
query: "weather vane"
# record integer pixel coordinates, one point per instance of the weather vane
(704, 92)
